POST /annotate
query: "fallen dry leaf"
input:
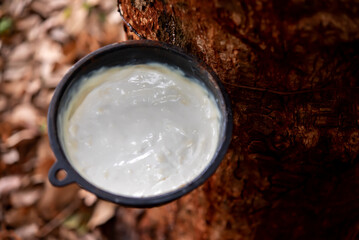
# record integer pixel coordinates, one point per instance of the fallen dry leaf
(114, 19)
(48, 51)
(18, 137)
(15, 217)
(57, 4)
(28, 231)
(9, 183)
(59, 35)
(9, 234)
(17, 73)
(57, 220)
(68, 234)
(46, 70)
(14, 89)
(107, 6)
(50, 23)
(93, 3)
(16, 7)
(33, 86)
(45, 159)
(43, 99)
(54, 199)
(20, 53)
(24, 115)
(88, 198)
(42, 8)
(5, 132)
(11, 157)
(35, 32)
(55, 76)
(91, 236)
(25, 198)
(3, 102)
(70, 52)
(28, 22)
(103, 212)
(113, 32)
(46, 8)
(77, 19)
(86, 43)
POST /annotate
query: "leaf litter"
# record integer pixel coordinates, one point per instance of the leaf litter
(39, 41)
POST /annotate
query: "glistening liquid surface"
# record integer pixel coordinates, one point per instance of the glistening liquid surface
(140, 130)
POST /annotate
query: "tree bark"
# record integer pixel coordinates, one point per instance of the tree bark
(292, 71)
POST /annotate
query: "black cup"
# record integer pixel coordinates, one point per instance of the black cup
(130, 53)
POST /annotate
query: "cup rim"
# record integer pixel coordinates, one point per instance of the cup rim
(72, 176)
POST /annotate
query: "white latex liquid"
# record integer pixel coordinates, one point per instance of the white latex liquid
(140, 130)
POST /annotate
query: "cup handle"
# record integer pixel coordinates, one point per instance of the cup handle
(54, 178)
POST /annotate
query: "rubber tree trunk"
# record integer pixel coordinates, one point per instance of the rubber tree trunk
(292, 71)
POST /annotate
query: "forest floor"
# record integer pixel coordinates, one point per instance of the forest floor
(39, 41)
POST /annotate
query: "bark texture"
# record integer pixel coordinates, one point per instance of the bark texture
(292, 71)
